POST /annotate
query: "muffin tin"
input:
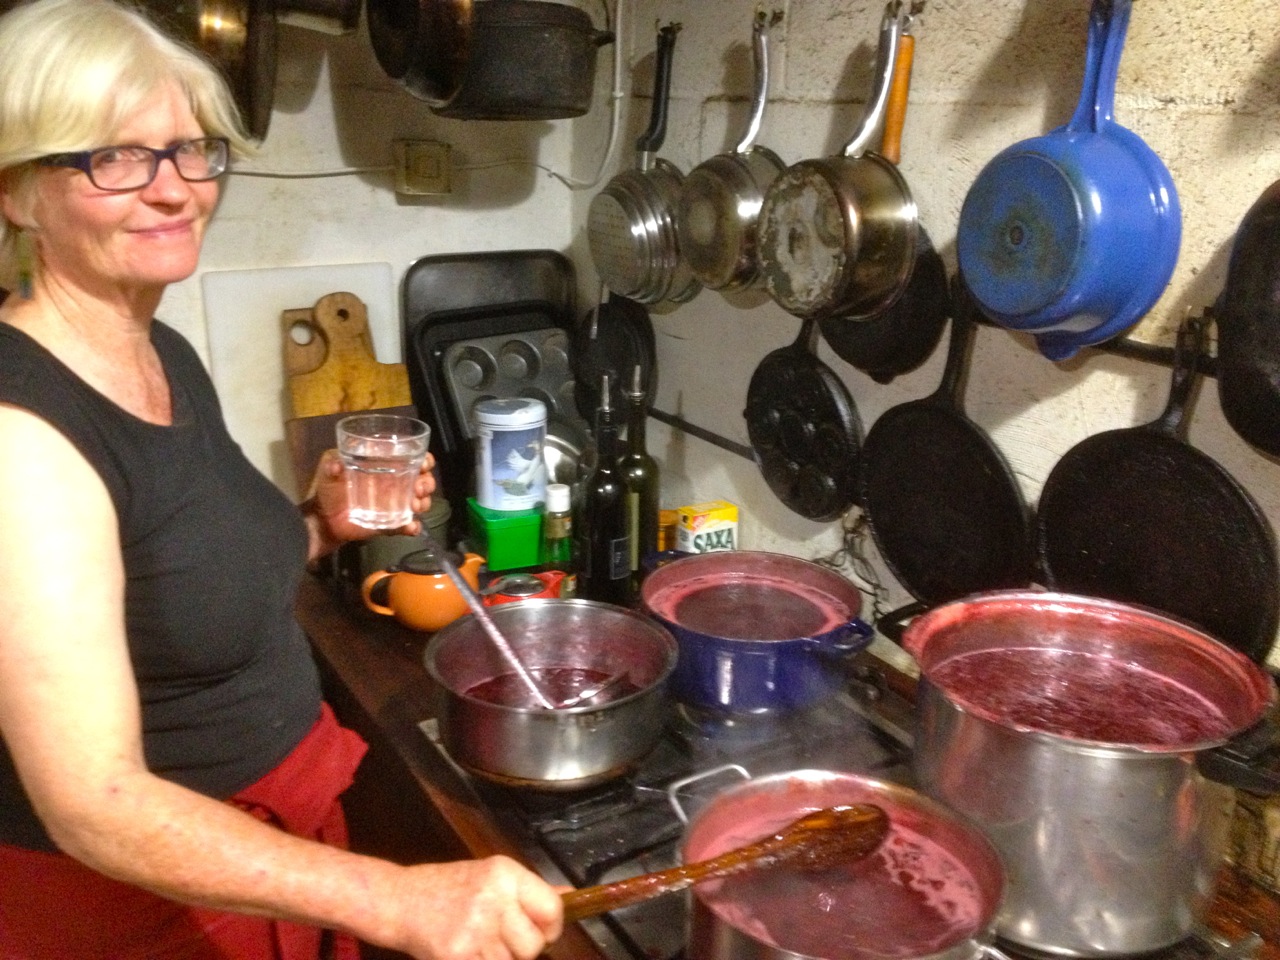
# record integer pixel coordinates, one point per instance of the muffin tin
(529, 363)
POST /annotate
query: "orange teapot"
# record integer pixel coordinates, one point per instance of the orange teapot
(419, 593)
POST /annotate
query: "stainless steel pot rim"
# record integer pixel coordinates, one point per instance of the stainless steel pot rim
(1253, 691)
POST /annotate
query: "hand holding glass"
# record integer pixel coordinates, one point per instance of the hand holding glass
(383, 455)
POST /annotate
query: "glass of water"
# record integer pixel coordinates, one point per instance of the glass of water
(383, 455)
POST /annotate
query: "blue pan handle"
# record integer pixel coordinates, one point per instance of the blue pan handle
(1108, 25)
(850, 637)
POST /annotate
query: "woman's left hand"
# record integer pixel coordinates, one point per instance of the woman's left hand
(328, 505)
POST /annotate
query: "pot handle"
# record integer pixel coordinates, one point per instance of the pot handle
(886, 57)
(760, 51)
(850, 637)
(674, 788)
(366, 591)
(1249, 761)
(1108, 24)
(651, 140)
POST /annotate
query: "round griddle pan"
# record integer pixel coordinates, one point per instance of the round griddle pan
(1138, 515)
(943, 506)
(804, 429)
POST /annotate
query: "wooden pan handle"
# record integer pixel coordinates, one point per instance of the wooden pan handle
(896, 112)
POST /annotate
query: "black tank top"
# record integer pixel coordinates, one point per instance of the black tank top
(213, 553)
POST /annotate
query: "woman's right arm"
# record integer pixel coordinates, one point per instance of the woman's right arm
(70, 717)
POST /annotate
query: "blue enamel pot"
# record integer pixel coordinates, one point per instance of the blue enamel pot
(1072, 236)
(757, 632)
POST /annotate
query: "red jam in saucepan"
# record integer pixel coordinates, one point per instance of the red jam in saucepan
(749, 607)
(1081, 696)
(558, 683)
(911, 898)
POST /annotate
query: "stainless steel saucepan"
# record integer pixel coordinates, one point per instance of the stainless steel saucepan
(839, 234)
(721, 197)
(631, 227)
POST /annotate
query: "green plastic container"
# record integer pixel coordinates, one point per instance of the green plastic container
(507, 539)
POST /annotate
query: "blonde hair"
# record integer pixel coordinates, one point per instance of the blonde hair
(72, 72)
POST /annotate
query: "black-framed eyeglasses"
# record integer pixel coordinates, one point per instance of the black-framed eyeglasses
(126, 168)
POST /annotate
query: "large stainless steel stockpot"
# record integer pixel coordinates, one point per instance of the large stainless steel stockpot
(1068, 728)
(562, 749)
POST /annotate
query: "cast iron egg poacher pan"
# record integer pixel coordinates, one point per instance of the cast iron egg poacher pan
(943, 506)
(804, 429)
(1140, 516)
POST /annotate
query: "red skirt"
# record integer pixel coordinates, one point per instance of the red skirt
(52, 907)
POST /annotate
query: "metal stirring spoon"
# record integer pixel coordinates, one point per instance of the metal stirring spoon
(486, 622)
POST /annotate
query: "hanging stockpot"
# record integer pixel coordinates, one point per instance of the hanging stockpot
(839, 234)
(631, 227)
(721, 197)
(1073, 236)
(529, 60)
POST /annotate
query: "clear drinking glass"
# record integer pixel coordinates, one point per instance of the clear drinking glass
(383, 456)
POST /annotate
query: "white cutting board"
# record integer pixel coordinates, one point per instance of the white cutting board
(246, 353)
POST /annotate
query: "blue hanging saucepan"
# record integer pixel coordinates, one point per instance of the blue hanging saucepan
(1072, 236)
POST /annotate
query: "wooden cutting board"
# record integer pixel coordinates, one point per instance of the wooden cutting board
(242, 318)
(330, 363)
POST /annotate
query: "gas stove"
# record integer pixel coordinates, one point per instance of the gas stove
(635, 824)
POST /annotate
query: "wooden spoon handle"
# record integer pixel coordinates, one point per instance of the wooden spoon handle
(794, 842)
(589, 901)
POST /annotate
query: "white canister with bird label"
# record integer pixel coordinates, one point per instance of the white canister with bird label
(511, 472)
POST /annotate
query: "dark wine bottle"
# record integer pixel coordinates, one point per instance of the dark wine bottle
(641, 477)
(601, 528)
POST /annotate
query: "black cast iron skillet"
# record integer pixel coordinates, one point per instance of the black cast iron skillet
(1248, 319)
(943, 506)
(804, 429)
(1138, 515)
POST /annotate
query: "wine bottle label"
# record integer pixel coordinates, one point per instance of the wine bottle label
(619, 558)
(633, 525)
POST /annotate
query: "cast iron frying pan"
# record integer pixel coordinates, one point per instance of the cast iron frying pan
(943, 506)
(1138, 515)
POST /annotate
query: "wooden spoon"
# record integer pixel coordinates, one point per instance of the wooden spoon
(817, 841)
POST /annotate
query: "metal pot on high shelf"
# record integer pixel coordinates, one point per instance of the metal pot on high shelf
(1079, 734)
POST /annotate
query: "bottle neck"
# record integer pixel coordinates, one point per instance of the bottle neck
(636, 417)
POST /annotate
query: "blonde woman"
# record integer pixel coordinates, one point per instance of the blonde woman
(169, 776)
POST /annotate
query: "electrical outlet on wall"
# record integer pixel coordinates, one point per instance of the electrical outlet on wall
(422, 167)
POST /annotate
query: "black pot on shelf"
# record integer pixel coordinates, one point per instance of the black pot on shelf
(529, 60)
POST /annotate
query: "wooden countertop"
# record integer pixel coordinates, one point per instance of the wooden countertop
(378, 665)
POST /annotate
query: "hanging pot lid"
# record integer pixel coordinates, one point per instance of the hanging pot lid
(424, 44)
